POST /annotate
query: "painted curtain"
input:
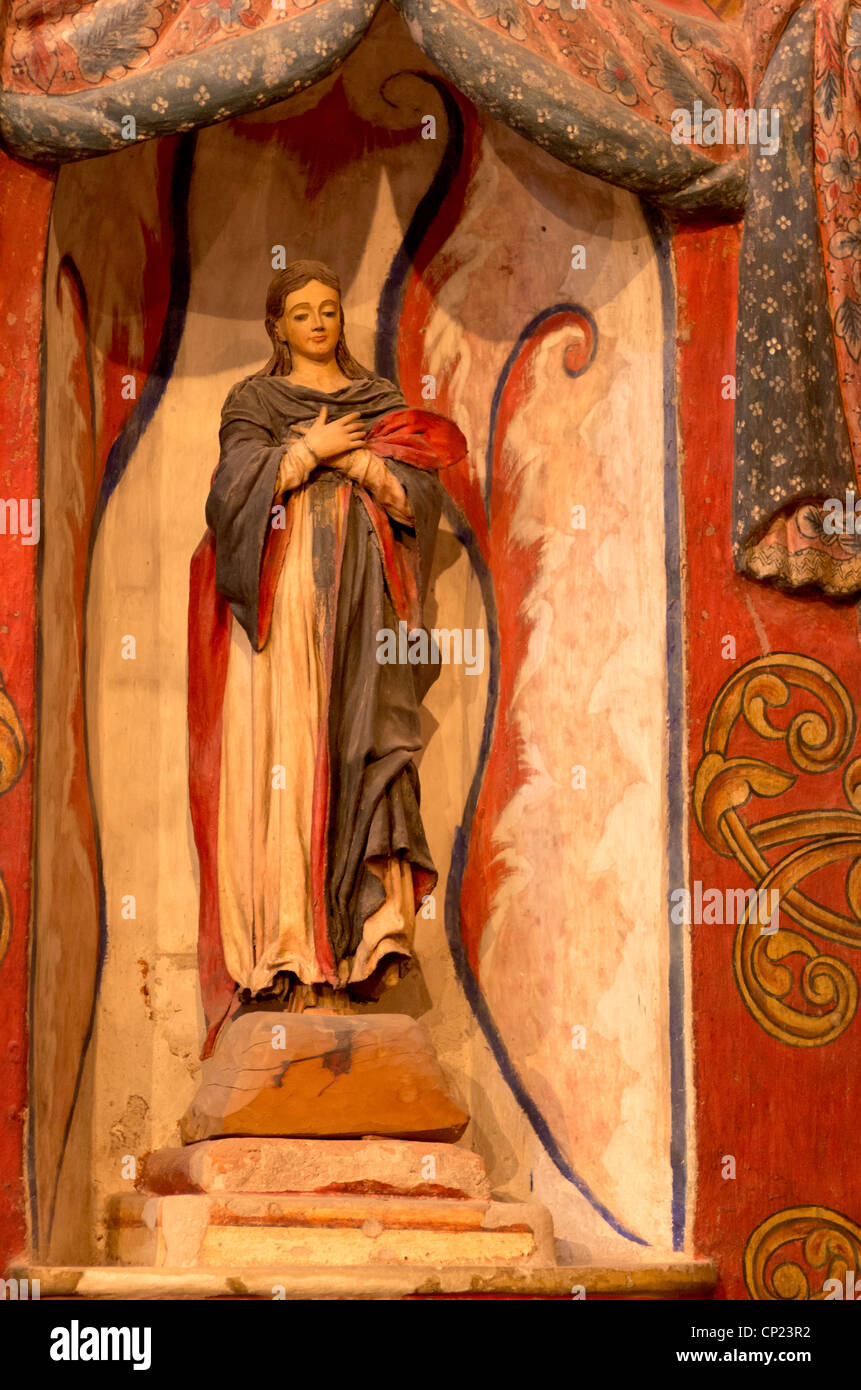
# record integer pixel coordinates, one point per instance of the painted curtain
(598, 91)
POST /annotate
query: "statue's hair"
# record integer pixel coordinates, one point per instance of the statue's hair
(294, 277)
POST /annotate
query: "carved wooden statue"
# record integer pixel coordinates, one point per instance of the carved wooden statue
(322, 517)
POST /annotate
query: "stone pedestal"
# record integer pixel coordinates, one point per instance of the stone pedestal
(208, 1231)
(323, 1142)
(367, 1167)
(327, 1203)
(324, 1075)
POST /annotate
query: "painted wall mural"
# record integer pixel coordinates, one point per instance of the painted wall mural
(500, 374)
(645, 807)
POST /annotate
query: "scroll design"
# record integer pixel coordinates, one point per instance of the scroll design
(5, 919)
(785, 1249)
(817, 740)
(13, 757)
(13, 744)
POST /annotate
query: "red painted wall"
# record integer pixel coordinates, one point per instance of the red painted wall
(784, 1112)
(25, 200)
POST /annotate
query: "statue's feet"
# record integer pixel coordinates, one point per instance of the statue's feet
(324, 998)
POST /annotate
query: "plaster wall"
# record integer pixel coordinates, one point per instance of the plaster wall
(573, 934)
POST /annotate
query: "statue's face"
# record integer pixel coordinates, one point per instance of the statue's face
(311, 322)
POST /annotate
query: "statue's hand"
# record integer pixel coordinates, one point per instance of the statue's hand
(328, 438)
(370, 472)
(353, 464)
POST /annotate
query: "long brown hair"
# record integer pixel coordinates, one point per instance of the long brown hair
(293, 277)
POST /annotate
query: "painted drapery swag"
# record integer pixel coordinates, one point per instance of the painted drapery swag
(596, 87)
(310, 576)
(798, 405)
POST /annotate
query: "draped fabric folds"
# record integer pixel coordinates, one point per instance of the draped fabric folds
(798, 404)
(599, 87)
(301, 689)
(596, 88)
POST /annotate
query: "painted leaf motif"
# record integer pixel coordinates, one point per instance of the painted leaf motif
(33, 12)
(667, 74)
(845, 243)
(114, 36)
(509, 17)
(847, 325)
(726, 784)
(585, 58)
(41, 61)
(210, 28)
(827, 93)
(853, 49)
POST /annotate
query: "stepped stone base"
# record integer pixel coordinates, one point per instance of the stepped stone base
(207, 1231)
(323, 1141)
(382, 1167)
(320, 1075)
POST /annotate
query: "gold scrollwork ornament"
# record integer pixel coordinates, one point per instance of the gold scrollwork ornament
(785, 1250)
(769, 965)
(13, 756)
(13, 744)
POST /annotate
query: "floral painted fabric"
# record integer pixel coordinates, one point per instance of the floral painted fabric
(764, 25)
(65, 45)
(597, 83)
(68, 45)
(837, 178)
(792, 446)
(643, 55)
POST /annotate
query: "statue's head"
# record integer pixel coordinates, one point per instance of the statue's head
(303, 323)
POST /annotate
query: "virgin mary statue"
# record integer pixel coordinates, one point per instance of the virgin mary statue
(322, 516)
